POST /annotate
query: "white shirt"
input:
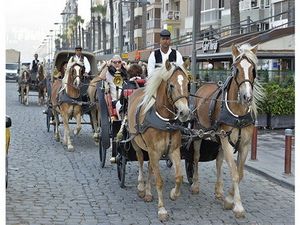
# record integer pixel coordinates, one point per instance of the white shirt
(152, 62)
(112, 86)
(86, 63)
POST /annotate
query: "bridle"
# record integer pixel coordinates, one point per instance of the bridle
(234, 73)
(170, 90)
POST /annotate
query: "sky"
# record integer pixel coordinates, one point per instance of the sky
(28, 22)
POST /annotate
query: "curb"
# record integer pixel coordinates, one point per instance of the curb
(271, 178)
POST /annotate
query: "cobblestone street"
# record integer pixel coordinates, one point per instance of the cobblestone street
(49, 185)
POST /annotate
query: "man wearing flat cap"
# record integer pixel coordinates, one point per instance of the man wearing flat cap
(79, 57)
(158, 57)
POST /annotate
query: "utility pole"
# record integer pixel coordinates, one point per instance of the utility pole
(131, 26)
(120, 27)
(196, 27)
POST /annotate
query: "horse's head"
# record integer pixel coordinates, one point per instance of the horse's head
(25, 76)
(244, 71)
(75, 74)
(178, 91)
(40, 71)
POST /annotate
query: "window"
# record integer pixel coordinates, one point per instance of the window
(280, 7)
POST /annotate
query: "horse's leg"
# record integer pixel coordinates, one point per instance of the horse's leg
(67, 138)
(233, 200)
(176, 160)
(56, 119)
(40, 96)
(95, 124)
(219, 183)
(78, 120)
(243, 153)
(196, 184)
(148, 195)
(140, 158)
(22, 95)
(154, 158)
(27, 95)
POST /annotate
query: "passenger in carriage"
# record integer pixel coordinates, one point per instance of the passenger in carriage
(160, 56)
(135, 79)
(61, 73)
(116, 65)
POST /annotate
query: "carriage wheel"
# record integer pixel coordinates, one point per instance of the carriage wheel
(6, 171)
(48, 117)
(189, 168)
(121, 169)
(102, 153)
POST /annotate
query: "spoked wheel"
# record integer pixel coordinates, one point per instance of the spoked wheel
(48, 118)
(189, 170)
(6, 171)
(121, 168)
(102, 153)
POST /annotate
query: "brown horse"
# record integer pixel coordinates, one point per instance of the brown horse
(93, 99)
(24, 84)
(231, 111)
(166, 97)
(65, 99)
(41, 84)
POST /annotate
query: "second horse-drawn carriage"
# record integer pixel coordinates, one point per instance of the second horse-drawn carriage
(67, 91)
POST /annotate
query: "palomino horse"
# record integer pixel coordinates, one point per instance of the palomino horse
(24, 83)
(65, 99)
(165, 98)
(41, 84)
(230, 110)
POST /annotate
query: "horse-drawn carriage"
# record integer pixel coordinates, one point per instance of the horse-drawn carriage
(30, 81)
(159, 124)
(67, 87)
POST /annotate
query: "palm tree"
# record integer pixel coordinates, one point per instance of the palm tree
(235, 17)
(101, 9)
(78, 21)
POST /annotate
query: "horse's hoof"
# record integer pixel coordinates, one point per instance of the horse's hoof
(239, 214)
(173, 195)
(195, 190)
(57, 138)
(219, 196)
(70, 148)
(148, 198)
(141, 194)
(163, 215)
(228, 203)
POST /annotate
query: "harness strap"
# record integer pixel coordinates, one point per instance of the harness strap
(235, 145)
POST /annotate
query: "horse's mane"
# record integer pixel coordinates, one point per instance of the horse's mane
(159, 74)
(258, 90)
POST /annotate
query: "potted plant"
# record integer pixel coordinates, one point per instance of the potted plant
(279, 105)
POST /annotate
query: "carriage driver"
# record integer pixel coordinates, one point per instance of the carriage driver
(79, 57)
(160, 56)
(34, 64)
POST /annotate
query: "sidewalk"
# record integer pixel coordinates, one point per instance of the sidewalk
(271, 157)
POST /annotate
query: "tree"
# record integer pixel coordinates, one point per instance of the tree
(235, 17)
(101, 9)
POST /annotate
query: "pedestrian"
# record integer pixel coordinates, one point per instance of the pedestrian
(78, 57)
(159, 56)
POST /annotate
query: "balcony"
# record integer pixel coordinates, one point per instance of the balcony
(153, 23)
(171, 17)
